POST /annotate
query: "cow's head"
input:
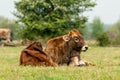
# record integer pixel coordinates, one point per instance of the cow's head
(75, 40)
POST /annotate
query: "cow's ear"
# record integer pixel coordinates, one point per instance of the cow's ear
(70, 33)
(66, 38)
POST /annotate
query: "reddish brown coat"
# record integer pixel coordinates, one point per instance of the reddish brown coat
(34, 56)
(63, 49)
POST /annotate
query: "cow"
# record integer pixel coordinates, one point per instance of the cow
(33, 55)
(5, 34)
(66, 49)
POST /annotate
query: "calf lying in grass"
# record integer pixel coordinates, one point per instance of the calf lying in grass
(34, 56)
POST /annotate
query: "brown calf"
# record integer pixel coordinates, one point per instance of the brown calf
(34, 56)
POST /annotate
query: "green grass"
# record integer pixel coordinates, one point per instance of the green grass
(107, 67)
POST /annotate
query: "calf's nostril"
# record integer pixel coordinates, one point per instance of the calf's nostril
(86, 48)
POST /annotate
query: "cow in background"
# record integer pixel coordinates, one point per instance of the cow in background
(6, 34)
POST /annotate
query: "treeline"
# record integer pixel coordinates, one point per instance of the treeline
(96, 30)
(105, 35)
(44, 19)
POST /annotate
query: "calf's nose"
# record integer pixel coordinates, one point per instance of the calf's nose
(85, 48)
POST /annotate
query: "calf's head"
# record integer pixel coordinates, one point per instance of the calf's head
(75, 40)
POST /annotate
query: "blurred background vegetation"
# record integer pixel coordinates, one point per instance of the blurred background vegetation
(13, 25)
(45, 19)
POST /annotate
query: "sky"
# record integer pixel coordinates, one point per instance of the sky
(107, 10)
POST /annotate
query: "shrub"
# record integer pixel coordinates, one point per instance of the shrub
(103, 39)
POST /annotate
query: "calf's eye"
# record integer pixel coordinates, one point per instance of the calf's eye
(76, 40)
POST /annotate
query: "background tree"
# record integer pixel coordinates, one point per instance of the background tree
(51, 17)
(97, 27)
(98, 32)
(114, 33)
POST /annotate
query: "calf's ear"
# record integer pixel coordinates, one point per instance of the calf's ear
(66, 38)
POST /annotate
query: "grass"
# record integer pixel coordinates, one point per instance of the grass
(107, 67)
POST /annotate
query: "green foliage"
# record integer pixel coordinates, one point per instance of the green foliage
(114, 33)
(87, 31)
(98, 32)
(11, 24)
(97, 27)
(103, 39)
(51, 17)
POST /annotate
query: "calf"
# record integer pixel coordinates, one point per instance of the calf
(34, 56)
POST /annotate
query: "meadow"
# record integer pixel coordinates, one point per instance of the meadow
(107, 60)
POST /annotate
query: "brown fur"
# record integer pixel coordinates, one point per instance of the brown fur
(63, 49)
(34, 56)
(6, 34)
